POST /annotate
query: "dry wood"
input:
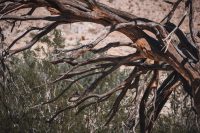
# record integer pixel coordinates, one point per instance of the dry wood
(182, 58)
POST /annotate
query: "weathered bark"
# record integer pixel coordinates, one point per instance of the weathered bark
(182, 57)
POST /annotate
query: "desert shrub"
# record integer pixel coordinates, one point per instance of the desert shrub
(28, 86)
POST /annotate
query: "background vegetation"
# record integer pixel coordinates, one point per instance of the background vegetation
(28, 86)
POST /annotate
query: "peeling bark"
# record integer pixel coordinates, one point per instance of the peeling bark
(183, 58)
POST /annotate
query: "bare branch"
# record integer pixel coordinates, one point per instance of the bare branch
(36, 38)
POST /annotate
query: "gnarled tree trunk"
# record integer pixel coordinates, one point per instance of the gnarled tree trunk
(182, 58)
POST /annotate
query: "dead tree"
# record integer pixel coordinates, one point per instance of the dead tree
(181, 59)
